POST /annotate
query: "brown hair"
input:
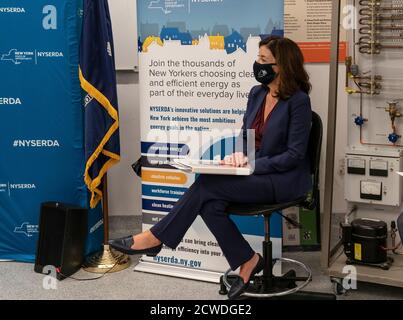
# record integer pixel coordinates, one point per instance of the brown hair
(290, 62)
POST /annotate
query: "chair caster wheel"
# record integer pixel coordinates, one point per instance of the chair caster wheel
(338, 287)
(223, 289)
(223, 292)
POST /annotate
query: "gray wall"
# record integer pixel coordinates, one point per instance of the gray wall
(124, 188)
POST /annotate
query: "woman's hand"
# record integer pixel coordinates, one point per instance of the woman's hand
(236, 159)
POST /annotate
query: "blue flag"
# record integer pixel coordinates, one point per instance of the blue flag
(98, 80)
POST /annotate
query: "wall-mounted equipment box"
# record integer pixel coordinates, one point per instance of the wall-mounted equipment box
(371, 177)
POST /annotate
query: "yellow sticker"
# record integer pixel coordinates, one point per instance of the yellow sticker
(357, 251)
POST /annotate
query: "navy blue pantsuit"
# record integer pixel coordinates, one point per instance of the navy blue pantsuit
(281, 173)
(209, 196)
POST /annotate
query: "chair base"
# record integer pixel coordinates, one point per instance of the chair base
(279, 285)
(268, 285)
(287, 281)
(298, 296)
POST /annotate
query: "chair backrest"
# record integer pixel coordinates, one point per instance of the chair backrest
(314, 152)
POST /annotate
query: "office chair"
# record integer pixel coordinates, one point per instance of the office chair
(269, 286)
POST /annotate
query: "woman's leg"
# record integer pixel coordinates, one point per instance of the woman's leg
(209, 196)
(235, 189)
(236, 249)
(180, 218)
(173, 227)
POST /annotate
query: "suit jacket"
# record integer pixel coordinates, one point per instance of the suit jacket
(283, 152)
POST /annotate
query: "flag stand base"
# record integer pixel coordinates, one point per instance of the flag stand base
(107, 260)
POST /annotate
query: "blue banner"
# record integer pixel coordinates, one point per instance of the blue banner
(41, 121)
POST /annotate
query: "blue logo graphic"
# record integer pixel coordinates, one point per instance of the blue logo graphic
(17, 57)
(166, 6)
(175, 34)
(11, 56)
(4, 188)
(27, 229)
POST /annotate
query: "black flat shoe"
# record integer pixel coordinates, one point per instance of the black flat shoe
(238, 286)
(125, 245)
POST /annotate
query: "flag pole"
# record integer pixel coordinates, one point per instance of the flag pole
(105, 207)
(108, 259)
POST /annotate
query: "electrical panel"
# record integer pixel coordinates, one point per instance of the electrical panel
(373, 179)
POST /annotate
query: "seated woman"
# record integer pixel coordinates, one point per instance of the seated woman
(280, 112)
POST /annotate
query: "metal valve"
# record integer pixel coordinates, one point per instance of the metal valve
(393, 114)
(393, 110)
(393, 137)
(359, 121)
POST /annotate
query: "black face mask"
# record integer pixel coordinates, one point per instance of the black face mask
(264, 73)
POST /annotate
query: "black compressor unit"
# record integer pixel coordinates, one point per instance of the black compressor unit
(365, 243)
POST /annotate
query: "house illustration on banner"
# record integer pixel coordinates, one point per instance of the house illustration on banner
(217, 42)
(174, 34)
(249, 32)
(234, 41)
(220, 29)
(275, 32)
(197, 34)
(139, 45)
(180, 25)
(148, 29)
(149, 40)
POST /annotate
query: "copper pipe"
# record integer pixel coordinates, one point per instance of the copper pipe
(392, 17)
(367, 30)
(375, 144)
(371, 12)
(392, 46)
(349, 62)
(368, 3)
(376, 48)
(377, 5)
(370, 85)
(391, 249)
(369, 21)
(375, 78)
(379, 28)
(390, 27)
(391, 37)
(369, 50)
(400, 8)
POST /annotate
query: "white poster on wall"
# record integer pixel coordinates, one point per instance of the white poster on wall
(195, 65)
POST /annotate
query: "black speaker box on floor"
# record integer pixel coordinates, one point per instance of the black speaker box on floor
(62, 236)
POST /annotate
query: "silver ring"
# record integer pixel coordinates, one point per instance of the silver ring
(277, 294)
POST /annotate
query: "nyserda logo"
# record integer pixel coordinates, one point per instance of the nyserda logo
(17, 57)
(12, 10)
(7, 188)
(22, 186)
(10, 101)
(50, 54)
(36, 144)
